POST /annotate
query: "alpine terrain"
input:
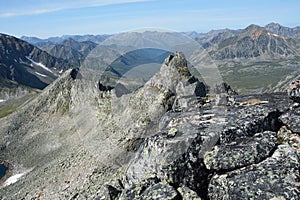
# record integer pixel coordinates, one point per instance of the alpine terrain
(151, 115)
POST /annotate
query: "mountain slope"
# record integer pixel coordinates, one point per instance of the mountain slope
(215, 36)
(27, 65)
(71, 50)
(252, 42)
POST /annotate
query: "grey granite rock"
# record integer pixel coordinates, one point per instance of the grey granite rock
(150, 189)
(244, 152)
(188, 194)
(292, 120)
(274, 177)
(253, 114)
(160, 191)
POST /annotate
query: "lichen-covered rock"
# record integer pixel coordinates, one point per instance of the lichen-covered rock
(254, 114)
(160, 191)
(286, 136)
(241, 153)
(292, 120)
(275, 177)
(175, 154)
(188, 194)
(156, 154)
(135, 191)
(150, 189)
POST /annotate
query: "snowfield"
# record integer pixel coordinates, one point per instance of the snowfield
(43, 75)
(13, 179)
(39, 64)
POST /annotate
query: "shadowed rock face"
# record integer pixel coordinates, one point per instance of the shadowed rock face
(166, 140)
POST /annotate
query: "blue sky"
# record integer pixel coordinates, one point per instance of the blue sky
(46, 18)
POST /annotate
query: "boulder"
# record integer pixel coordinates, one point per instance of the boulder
(244, 152)
(273, 178)
(292, 120)
(150, 189)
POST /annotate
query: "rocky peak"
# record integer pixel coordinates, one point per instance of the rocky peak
(253, 29)
(175, 77)
(173, 71)
(278, 29)
(273, 26)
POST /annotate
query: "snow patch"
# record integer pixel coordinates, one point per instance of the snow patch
(15, 60)
(61, 71)
(43, 75)
(271, 34)
(39, 64)
(2, 100)
(13, 179)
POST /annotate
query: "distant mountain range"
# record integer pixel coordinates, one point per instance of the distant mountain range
(71, 50)
(254, 41)
(56, 40)
(266, 53)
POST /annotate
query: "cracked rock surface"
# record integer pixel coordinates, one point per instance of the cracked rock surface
(275, 177)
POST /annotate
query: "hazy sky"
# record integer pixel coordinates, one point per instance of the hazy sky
(45, 18)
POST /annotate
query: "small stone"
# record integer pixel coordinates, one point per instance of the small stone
(172, 132)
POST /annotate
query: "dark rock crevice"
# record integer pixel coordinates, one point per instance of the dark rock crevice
(104, 88)
(226, 171)
(75, 74)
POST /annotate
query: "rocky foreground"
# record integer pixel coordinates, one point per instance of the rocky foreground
(171, 139)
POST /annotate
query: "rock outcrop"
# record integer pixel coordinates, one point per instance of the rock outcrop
(227, 152)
